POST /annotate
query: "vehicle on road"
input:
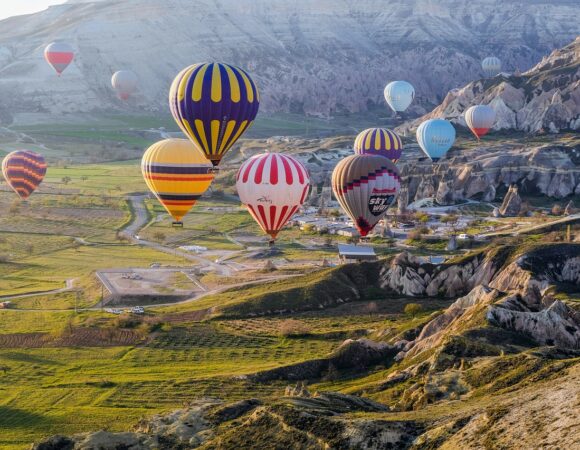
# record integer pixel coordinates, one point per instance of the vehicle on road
(138, 310)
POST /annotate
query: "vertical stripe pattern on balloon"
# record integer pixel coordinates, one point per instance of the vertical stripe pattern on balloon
(272, 186)
(379, 141)
(214, 104)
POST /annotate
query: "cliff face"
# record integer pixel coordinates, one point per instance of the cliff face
(514, 297)
(483, 172)
(544, 99)
(320, 58)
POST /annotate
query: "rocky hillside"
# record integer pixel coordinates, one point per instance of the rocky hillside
(504, 352)
(548, 166)
(306, 56)
(544, 99)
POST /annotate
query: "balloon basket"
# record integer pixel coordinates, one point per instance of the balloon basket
(177, 224)
(271, 243)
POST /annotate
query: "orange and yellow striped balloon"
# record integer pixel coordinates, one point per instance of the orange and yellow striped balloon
(177, 173)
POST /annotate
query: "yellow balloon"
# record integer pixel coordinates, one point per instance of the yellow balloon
(177, 173)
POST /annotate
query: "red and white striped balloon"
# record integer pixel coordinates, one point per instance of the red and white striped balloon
(59, 55)
(480, 119)
(272, 186)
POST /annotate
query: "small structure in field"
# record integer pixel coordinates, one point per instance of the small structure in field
(355, 253)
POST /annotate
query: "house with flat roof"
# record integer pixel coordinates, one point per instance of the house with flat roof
(355, 253)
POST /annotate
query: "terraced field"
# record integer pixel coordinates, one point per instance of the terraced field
(48, 390)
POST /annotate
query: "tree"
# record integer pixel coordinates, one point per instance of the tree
(29, 249)
(84, 178)
(159, 236)
(452, 220)
(412, 309)
(66, 180)
(557, 210)
(422, 217)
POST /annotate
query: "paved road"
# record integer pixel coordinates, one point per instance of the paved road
(569, 220)
(141, 219)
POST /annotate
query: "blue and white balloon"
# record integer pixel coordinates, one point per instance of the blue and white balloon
(491, 66)
(399, 95)
(435, 137)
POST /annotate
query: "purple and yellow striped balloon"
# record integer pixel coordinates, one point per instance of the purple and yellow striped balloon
(23, 171)
(379, 141)
(214, 104)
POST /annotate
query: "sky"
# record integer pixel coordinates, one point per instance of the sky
(10, 8)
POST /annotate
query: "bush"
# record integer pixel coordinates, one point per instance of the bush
(412, 309)
(159, 236)
(291, 327)
(127, 321)
(557, 210)
(415, 235)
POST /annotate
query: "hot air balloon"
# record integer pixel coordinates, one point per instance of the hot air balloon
(124, 82)
(399, 95)
(59, 55)
(379, 141)
(24, 170)
(480, 119)
(365, 186)
(214, 104)
(177, 173)
(435, 137)
(491, 66)
(272, 186)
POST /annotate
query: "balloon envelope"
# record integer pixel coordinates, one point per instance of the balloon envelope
(124, 82)
(272, 186)
(379, 141)
(177, 173)
(214, 104)
(24, 171)
(435, 137)
(491, 66)
(399, 95)
(365, 186)
(59, 55)
(480, 119)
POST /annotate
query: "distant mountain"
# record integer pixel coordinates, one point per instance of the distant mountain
(322, 58)
(543, 99)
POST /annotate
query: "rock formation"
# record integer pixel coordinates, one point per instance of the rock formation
(544, 99)
(512, 203)
(306, 57)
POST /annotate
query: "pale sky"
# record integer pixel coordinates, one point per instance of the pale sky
(10, 8)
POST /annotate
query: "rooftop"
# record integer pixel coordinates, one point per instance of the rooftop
(355, 250)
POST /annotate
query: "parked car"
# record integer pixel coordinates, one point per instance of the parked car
(465, 237)
(138, 310)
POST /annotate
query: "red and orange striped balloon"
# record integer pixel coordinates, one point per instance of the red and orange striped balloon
(24, 171)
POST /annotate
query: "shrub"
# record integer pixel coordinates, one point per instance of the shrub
(412, 309)
(557, 210)
(292, 327)
(127, 321)
(159, 236)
